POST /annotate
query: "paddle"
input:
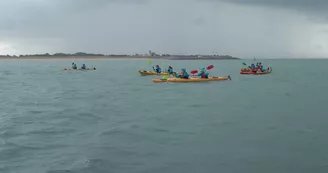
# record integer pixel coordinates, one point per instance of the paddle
(194, 71)
(210, 67)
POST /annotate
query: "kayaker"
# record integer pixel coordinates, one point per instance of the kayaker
(74, 66)
(83, 66)
(254, 70)
(203, 73)
(252, 66)
(170, 70)
(157, 69)
(260, 66)
(183, 74)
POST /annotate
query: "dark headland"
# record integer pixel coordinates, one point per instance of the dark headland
(91, 56)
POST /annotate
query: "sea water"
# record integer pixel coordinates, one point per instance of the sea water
(114, 120)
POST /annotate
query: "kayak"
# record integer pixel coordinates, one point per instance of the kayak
(147, 73)
(255, 73)
(156, 80)
(248, 71)
(78, 69)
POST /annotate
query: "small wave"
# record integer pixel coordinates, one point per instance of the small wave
(50, 131)
(59, 171)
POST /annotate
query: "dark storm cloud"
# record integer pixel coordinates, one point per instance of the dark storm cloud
(236, 27)
(318, 7)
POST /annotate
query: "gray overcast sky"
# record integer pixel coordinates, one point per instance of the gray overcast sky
(243, 28)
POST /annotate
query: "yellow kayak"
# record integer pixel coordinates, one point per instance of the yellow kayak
(78, 69)
(156, 80)
(147, 73)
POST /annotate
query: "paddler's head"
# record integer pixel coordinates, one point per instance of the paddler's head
(157, 65)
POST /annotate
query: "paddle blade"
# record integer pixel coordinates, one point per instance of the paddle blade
(194, 71)
(244, 63)
(210, 67)
(149, 62)
(165, 77)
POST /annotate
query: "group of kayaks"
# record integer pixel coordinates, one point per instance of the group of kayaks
(171, 77)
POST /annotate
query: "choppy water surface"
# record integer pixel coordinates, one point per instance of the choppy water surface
(113, 120)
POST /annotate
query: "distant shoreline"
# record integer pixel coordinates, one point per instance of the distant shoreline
(119, 58)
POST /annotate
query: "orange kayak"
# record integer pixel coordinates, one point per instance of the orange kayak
(157, 80)
(254, 73)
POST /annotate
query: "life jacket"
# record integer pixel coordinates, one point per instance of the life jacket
(202, 75)
(170, 70)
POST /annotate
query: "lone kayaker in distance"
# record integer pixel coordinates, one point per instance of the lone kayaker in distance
(83, 67)
(157, 69)
(74, 66)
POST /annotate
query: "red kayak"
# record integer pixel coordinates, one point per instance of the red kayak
(254, 73)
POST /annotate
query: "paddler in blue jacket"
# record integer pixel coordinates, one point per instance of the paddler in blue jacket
(184, 74)
(203, 73)
(157, 69)
(252, 66)
(83, 66)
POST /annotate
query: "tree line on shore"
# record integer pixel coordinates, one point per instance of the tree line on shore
(83, 54)
(60, 55)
